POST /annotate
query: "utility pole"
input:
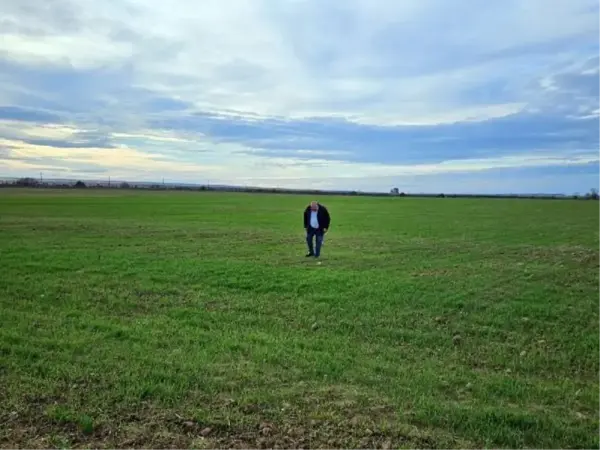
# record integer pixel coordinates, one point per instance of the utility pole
(109, 181)
(41, 178)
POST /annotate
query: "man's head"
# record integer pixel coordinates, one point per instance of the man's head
(314, 206)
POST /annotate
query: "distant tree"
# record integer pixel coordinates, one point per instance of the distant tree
(593, 194)
(80, 184)
(124, 185)
(27, 182)
(402, 194)
(394, 191)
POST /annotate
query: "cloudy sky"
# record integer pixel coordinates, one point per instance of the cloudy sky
(425, 95)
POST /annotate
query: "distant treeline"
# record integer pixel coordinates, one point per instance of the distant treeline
(79, 184)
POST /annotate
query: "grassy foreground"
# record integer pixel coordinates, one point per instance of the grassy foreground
(137, 319)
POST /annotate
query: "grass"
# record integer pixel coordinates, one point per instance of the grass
(138, 319)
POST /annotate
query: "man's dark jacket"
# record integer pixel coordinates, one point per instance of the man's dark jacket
(322, 217)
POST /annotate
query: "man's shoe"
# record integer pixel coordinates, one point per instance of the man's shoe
(309, 255)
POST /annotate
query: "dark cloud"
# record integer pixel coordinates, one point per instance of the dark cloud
(35, 18)
(58, 143)
(575, 92)
(583, 85)
(28, 115)
(83, 92)
(518, 133)
(85, 96)
(161, 104)
(79, 139)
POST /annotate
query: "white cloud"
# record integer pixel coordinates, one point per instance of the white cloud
(16, 128)
(154, 136)
(594, 115)
(81, 52)
(434, 117)
(371, 61)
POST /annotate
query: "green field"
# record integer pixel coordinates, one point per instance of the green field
(156, 319)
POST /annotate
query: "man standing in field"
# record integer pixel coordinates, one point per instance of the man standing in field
(316, 224)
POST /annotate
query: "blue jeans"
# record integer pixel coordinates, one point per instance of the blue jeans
(318, 237)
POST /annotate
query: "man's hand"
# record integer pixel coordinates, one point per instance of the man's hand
(324, 230)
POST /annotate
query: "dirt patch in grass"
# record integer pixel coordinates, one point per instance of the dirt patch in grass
(43, 426)
(433, 273)
(561, 253)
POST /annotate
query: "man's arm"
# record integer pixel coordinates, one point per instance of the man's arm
(327, 221)
(306, 218)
